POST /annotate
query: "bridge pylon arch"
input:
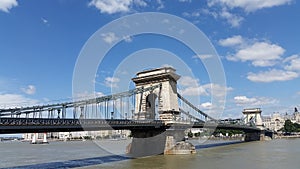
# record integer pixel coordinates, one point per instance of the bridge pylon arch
(160, 103)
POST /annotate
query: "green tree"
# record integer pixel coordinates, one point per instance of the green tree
(190, 134)
(197, 134)
(289, 126)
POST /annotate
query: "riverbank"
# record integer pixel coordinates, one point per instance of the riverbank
(287, 137)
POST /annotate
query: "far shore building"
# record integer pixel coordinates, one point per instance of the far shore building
(276, 121)
(105, 134)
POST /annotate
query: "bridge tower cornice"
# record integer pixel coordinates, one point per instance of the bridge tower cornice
(156, 76)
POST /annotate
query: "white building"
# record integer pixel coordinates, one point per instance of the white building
(81, 134)
(29, 136)
(276, 121)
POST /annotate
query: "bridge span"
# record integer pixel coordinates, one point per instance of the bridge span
(41, 125)
(152, 108)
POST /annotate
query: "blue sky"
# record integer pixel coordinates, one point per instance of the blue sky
(257, 42)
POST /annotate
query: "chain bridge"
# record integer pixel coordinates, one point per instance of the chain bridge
(152, 108)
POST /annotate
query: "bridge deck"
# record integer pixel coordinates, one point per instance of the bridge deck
(36, 125)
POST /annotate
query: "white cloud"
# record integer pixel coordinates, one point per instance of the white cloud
(248, 5)
(224, 8)
(191, 87)
(161, 4)
(127, 38)
(206, 105)
(232, 41)
(192, 14)
(293, 63)
(242, 100)
(116, 6)
(187, 81)
(194, 91)
(109, 37)
(260, 54)
(167, 65)
(111, 6)
(111, 82)
(202, 57)
(44, 20)
(6, 5)
(250, 102)
(217, 90)
(263, 54)
(15, 100)
(212, 13)
(30, 89)
(140, 3)
(272, 75)
(233, 19)
(264, 63)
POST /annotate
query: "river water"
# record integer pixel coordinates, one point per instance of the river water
(275, 154)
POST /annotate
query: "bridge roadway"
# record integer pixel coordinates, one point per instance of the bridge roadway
(39, 125)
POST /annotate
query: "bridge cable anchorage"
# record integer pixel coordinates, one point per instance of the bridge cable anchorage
(36, 111)
(195, 108)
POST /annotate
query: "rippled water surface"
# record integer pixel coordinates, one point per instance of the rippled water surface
(275, 154)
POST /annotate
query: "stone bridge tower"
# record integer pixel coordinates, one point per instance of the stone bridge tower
(253, 116)
(161, 103)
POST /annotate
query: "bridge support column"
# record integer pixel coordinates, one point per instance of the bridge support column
(34, 138)
(253, 136)
(154, 142)
(45, 138)
(175, 143)
(146, 143)
(256, 136)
